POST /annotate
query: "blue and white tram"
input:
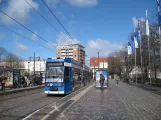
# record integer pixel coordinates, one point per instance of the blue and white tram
(62, 75)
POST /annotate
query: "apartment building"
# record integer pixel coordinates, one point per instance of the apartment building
(75, 51)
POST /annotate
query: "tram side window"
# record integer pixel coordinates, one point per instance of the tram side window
(66, 74)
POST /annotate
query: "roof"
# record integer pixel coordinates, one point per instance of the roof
(101, 59)
(60, 45)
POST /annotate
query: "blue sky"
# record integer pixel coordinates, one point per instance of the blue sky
(100, 25)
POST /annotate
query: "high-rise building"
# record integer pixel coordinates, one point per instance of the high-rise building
(75, 51)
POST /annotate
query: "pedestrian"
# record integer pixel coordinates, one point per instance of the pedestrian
(1, 81)
(23, 81)
(102, 79)
(117, 79)
(4, 79)
(19, 81)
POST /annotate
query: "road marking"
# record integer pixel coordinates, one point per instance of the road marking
(28, 116)
(31, 114)
(75, 98)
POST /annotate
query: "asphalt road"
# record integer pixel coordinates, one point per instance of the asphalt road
(18, 105)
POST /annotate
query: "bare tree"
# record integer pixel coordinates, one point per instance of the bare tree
(13, 61)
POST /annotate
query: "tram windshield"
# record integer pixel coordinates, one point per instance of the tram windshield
(56, 73)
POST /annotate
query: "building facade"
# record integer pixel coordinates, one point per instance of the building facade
(40, 66)
(75, 51)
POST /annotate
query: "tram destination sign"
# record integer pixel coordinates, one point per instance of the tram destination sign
(55, 63)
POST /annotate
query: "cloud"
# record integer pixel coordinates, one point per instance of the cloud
(34, 37)
(60, 15)
(83, 3)
(21, 47)
(136, 22)
(19, 10)
(2, 36)
(51, 45)
(65, 39)
(72, 21)
(104, 47)
(53, 3)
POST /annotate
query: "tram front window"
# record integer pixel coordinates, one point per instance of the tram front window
(54, 73)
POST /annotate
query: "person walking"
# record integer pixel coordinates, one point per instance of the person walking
(117, 79)
(102, 79)
(3, 79)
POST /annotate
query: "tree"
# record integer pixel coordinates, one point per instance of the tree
(13, 61)
(115, 63)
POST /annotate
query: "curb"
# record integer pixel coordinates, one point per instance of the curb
(20, 90)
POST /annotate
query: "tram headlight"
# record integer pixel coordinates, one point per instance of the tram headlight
(60, 84)
(51, 84)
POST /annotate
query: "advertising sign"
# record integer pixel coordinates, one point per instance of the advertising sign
(104, 73)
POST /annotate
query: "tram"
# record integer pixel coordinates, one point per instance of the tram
(63, 75)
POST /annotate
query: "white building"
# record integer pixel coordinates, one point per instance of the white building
(39, 65)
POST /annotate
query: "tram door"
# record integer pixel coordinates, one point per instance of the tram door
(68, 79)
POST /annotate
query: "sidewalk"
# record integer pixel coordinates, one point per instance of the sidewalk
(9, 90)
(93, 104)
(148, 87)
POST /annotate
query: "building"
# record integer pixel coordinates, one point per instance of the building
(75, 51)
(96, 63)
(39, 66)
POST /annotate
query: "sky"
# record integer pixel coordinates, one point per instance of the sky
(100, 25)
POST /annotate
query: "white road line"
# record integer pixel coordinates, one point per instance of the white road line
(47, 105)
(31, 114)
(75, 98)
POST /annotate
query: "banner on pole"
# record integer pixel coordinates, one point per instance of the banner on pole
(132, 44)
(129, 50)
(147, 24)
(136, 40)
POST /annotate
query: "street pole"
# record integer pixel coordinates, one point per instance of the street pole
(1, 57)
(128, 66)
(34, 63)
(94, 67)
(135, 68)
(141, 58)
(28, 67)
(103, 64)
(149, 60)
(34, 59)
(98, 61)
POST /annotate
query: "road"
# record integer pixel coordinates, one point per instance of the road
(18, 105)
(122, 102)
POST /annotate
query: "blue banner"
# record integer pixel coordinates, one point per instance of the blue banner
(159, 12)
(132, 44)
(136, 40)
(129, 50)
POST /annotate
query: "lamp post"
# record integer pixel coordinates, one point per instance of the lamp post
(28, 67)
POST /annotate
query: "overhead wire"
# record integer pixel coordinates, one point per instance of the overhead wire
(27, 28)
(45, 19)
(58, 20)
(23, 36)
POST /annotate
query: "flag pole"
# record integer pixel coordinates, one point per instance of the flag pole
(141, 58)
(158, 6)
(148, 33)
(135, 68)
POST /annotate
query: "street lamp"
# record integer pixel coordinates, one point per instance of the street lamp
(0, 56)
(28, 67)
